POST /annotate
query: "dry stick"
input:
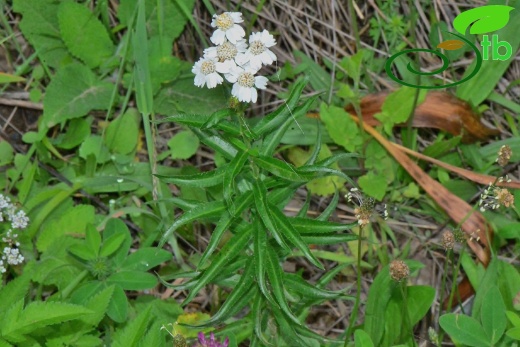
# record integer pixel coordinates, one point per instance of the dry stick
(454, 206)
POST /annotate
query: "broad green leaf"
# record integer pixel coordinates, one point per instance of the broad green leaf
(464, 329)
(94, 147)
(183, 96)
(373, 185)
(111, 244)
(362, 339)
(83, 34)
(146, 258)
(77, 132)
(420, 299)
(164, 67)
(398, 106)
(6, 153)
(133, 280)
(122, 134)
(93, 239)
(513, 317)
(39, 314)
(183, 145)
(492, 315)
(483, 19)
(341, 128)
(73, 92)
(232, 248)
(118, 306)
(133, 332)
(40, 26)
(74, 220)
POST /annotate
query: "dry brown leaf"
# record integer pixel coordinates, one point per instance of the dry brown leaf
(439, 110)
(472, 221)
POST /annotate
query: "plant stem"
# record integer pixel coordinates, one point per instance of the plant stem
(353, 316)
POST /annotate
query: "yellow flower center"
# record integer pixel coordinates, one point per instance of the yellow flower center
(246, 79)
(224, 21)
(257, 47)
(226, 51)
(208, 67)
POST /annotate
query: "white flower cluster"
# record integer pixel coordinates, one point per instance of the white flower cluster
(234, 59)
(19, 220)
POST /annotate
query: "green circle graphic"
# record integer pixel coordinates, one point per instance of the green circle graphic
(445, 65)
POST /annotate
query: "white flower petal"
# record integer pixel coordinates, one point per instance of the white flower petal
(236, 16)
(200, 80)
(226, 66)
(255, 62)
(235, 33)
(210, 52)
(261, 82)
(254, 95)
(218, 37)
(213, 80)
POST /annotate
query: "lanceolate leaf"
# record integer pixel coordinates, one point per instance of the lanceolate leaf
(328, 239)
(308, 291)
(315, 226)
(201, 180)
(280, 169)
(331, 208)
(216, 143)
(260, 257)
(206, 210)
(292, 235)
(274, 120)
(235, 166)
(232, 248)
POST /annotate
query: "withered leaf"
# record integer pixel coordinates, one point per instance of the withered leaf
(440, 110)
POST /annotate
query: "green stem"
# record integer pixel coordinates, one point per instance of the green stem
(353, 316)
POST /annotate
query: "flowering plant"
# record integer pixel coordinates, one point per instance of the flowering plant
(234, 59)
(13, 221)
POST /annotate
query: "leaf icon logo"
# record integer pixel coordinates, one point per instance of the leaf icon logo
(451, 45)
(485, 19)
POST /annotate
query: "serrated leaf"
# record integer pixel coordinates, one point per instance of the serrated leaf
(73, 92)
(280, 168)
(216, 142)
(41, 314)
(14, 291)
(232, 248)
(83, 34)
(398, 106)
(234, 168)
(308, 291)
(260, 257)
(200, 180)
(133, 332)
(99, 305)
(122, 134)
(93, 239)
(118, 306)
(40, 26)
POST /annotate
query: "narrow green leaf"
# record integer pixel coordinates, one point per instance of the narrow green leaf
(328, 239)
(317, 148)
(286, 329)
(331, 208)
(262, 208)
(118, 306)
(234, 168)
(260, 257)
(273, 140)
(201, 211)
(258, 314)
(232, 248)
(93, 238)
(142, 78)
(308, 291)
(274, 273)
(216, 143)
(216, 117)
(293, 236)
(302, 213)
(280, 169)
(224, 223)
(274, 120)
(200, 180)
